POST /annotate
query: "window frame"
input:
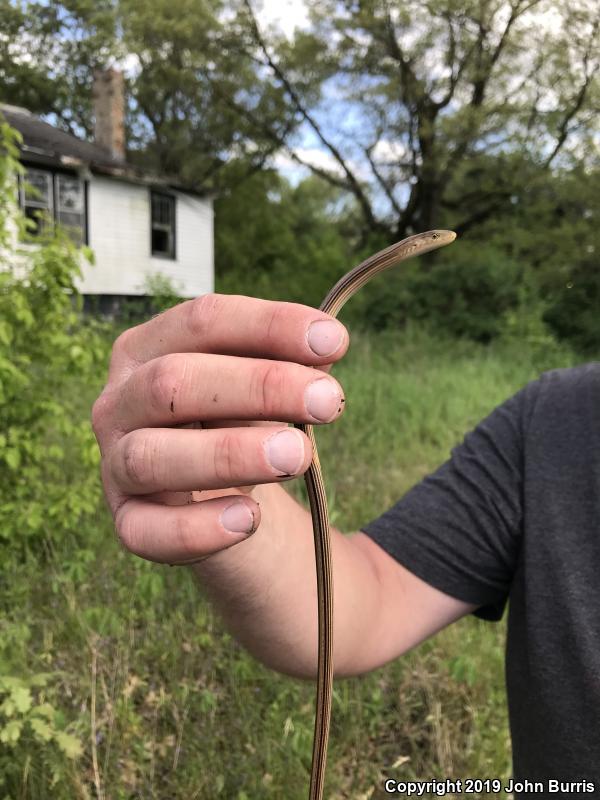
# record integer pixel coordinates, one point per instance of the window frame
(172, 198)
(53, 211)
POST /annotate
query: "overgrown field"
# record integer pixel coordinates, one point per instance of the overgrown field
(126, 662)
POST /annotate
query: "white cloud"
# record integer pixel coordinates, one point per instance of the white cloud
(284, 14)
(386, 150)
(130, 65)
(318, 158)
(321, 159)
(294, 172)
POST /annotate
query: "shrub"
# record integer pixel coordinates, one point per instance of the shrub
(159, 294)
(48, 455)
(466, 293)
(162, 291)
(31, 725)
(574, 315)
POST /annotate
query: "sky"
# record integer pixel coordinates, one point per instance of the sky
(286, 14)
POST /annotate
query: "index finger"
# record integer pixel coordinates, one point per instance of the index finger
(233, 325)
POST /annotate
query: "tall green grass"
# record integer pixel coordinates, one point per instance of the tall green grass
(167, 705)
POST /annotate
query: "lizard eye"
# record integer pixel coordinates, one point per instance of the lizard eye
(435, 236)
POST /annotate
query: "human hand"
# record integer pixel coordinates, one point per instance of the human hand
(245, 368)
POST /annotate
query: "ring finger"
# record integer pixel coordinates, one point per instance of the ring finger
(152, 460)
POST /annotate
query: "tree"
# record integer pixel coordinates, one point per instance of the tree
(185, 85)
(48, 52)
(185, 94)
(282, 242)
(405, 97)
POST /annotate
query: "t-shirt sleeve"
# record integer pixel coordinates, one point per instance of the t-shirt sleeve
(460, 528)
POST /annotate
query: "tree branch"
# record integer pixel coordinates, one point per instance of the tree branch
(279, 140)
(482, 77)
(381, 180)
(455, 74)
(406, 219)
(563, 128)
(481, 215)
(409, 80)
(352, 182)
(252, 168)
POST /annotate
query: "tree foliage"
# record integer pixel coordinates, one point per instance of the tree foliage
(48, 52)
(185, 96)
(403, 95)
(283, 242)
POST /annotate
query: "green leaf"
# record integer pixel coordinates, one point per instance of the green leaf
(12, 457)
(70, 745)
(7, 708)
(6, 333)
(93, 454)
(11, 732)
(40, 679)
(41, 729)
(55, 451)
(45, 710)
(21, 696)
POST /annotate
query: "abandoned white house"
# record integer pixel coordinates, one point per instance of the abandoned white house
(136, 224)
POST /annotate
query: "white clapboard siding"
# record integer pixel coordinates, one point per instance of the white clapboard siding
(119, 235)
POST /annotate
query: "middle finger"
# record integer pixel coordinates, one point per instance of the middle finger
(184, 387)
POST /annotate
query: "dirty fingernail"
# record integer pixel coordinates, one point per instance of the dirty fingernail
(325, 336)
(237, 518)
(285, 451)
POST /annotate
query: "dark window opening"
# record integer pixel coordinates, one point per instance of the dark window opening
(47, 197)
(162, 225)
(70, 206)
(38, 220)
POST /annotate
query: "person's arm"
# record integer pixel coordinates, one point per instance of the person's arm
(234, 362)
(265, 589)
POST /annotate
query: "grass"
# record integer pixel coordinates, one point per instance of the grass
(165, 702)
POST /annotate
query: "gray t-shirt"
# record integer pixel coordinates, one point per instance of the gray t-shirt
(515, 515)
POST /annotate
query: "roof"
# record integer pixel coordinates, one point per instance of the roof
(45, 144)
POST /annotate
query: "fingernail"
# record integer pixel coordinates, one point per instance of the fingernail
(324, 337)
(285, 451)
(323, 399)
(237, 518)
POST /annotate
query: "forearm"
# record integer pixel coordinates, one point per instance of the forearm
(265, 589)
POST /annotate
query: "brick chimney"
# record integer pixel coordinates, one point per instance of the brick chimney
(109, 112)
